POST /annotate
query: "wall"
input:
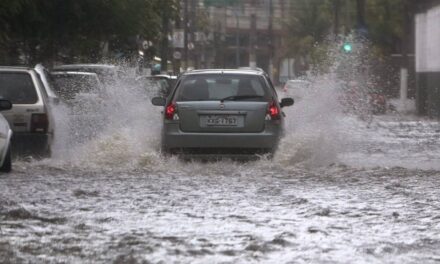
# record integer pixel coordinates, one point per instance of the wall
(427, 25)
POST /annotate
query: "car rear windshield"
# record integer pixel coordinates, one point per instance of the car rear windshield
(18, 88)
(206, 87)
(67, 86)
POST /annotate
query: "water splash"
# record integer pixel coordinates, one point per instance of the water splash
(320, 122)
(331, 124)
(312, 126)
(115, 132)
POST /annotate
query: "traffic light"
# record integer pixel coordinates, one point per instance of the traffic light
(347, 47)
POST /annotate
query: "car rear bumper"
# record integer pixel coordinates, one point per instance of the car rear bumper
(31, 143)
(173, 139)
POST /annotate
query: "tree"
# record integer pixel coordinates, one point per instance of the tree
(310, 24)
(168, 11)
(49, 30)
(385, 21)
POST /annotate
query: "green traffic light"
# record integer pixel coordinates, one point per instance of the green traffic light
(347, 47)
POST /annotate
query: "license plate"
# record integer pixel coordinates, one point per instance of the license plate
(221, 120)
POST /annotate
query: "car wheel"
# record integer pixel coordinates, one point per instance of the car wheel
(7, 164)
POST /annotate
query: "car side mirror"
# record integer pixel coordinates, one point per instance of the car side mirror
(158, 101)
(286, 102)
(5, 104)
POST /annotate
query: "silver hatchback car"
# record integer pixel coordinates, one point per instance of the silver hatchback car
(222, 112)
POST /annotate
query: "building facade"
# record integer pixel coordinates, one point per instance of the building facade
(427, 25)
(237, 33)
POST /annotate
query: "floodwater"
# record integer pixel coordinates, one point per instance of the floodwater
(341, 189)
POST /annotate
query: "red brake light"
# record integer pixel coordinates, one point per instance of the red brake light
(273, 111)
(170, 110)
(39, 123)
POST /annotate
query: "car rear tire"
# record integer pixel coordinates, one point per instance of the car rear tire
(7, 163)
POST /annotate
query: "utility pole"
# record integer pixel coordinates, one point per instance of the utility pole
(237, 35)
(361, 12)
(409, 8)
(271, 39)
(361, 25)
(336, 6)
(192, 30)
(165, 31)
(347, 16)
(252, 42)
(185, 34)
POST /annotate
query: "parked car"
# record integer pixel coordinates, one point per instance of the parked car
(30, 118)
(85, 99)
(170, 79)
(69, 85)
(5, 138)
(45, 79)
(218, 112)
(158, 85)
(108, 74)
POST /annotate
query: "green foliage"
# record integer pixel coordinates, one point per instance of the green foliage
(385, 22)
(53, 29)
(309, 25)
(312, 22)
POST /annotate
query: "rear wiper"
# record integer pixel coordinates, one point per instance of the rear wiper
(239, 97)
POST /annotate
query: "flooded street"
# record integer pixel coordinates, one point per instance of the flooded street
(342, 188)
(373, 200)
(220, 131)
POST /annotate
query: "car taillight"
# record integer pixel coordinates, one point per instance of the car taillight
(39, 123)
(171, 111)
(273, 111)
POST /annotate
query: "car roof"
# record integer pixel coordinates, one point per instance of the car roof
(225, 71)
(251, 68)
(161, 76)
(73, 73)
(91, 65)
(15, 68)
(158, 76)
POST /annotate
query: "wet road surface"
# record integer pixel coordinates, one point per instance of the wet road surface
(377, 202)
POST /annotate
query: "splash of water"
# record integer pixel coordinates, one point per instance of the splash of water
(318, 126)
(110, 132)
(124, 131)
